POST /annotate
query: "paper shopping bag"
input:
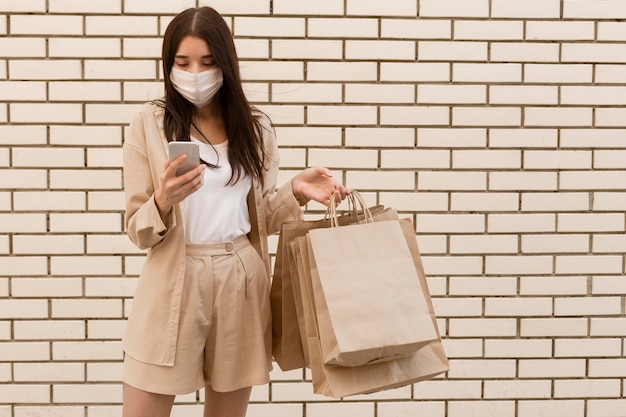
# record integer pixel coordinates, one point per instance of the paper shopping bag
(288, 347)
(339, 381)
(369, 302)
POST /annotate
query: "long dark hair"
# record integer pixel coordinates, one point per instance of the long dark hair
(246, 153)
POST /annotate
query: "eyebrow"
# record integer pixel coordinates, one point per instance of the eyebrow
(185, 56)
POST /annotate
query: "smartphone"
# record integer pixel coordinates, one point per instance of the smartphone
(193, 155)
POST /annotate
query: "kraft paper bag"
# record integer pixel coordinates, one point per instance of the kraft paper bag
(288, 344)
(369, 302)
(339, 381)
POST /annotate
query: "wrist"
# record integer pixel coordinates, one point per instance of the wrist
(296, 189)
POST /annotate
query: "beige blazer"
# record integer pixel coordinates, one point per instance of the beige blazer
(152, 328)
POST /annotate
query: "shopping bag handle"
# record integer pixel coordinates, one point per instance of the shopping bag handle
(356, 201)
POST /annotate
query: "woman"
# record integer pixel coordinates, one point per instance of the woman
(200, 316)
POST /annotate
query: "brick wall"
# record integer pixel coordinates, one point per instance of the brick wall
(498, 126)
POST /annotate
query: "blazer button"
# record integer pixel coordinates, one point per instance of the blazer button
(259, 201)
(229, 247)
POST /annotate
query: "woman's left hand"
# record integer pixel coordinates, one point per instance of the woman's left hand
(317, 183)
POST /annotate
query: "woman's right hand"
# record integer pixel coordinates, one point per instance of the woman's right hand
(175, 189)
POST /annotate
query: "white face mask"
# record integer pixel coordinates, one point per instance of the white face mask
(199, 88)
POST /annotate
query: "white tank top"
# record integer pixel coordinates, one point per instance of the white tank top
(217, 212)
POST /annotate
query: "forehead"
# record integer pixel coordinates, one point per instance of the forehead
(193, 46)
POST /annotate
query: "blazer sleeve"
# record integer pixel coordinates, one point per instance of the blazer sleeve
(144, 225)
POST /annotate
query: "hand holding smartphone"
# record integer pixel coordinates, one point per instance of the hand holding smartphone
(193, 155)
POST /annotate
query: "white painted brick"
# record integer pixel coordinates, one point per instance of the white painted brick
(561, 285)
(346, 158)
(524, 52)
(24, 352)
(49, 329)
(104, 157)
(487, 159)
(133, 265)
(105, 200)
(85, 179)
(46, 287)
(23, 6)
(610, 117)
(415, 115)
(306, 49)
(607, 326)
(42, 113)
(488, 30)
(518, 348)
(86, 308)
(380, 137)
(252, 48)
(540, 368)
(587, 347)
(415, 29)
(48, 372)
(77, 6)
(380, 50)
(555, 243)
(609, 159)
(557, 116)
(160, 6)
(523, 94)
(22, 91)
(417, 409)
(142, 47)
(558, 73)
(575, 388)
(24, 178)
(284, 114)
(88, 393)
(607, 367)
(526, 306)
(272, 70)
(379, 93)
(482, 286)
(380, 180)
(581, 180)
(346, 409)
(22, 222)
(25, 393)
(483, 244)
(593, 52)
(511, 223)
(238, 7)
(48, 157)
(343, 27)
(376, 8)
(121, 25)
(461, 348)
(48, 200)
(84, 47)
(610, 74)
(46, 25)
(557, 159)
(306, 93)
(594, 222)
(612, 407)
(518, 389)
(486, 116)
(563, 201)
(457, 307)
(414, 71)
(611, 31)
(446, 265)
(341, 115)
(587, 306)
(418, 159)
(447, 223)
(596, 95)
(519, 265)
(479, 368)
(456, 138)
(600, 9)
(308, 136)
(303, 7)
(106, 244)
(448, 389)
(552, 327)
(525, 8)
(452, 51)
(22, 135)
(106, 329)
(412, 201)
(85, 222)
(482, 202)
(274, 27)
(85, 135)
(96, 69)
(49, 69)
(454, 8)
(109, 113)
(460, 180)
(48, 244)
(339, 71)
(560, 31)
(481, 408)
(608, 285)
(522, 180)
(556, 408)
(84, 91)
(49, 411)
(596, 138)
(109, 287)
(458, 94)
(23, 47)
(85, 265)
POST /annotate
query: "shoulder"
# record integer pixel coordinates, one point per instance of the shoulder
(150, 110)
(146, 122)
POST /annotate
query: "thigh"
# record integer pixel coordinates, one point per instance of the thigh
(226, 404)
(139, 403)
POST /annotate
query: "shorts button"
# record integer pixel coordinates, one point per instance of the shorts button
(229, 247)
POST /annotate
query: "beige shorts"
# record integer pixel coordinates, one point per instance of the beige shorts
(224, 337)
